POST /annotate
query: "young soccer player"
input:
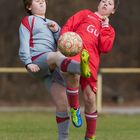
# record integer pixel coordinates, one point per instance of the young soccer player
(98, 37)
(38, 36)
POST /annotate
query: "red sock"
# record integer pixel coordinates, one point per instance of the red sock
(73, 97)
(63, 119)
(91, 124)
(60, 120)
(65, 64)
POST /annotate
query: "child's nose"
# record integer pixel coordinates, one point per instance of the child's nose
(41, 1)
(105, 4)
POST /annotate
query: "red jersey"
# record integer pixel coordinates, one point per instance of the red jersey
(96, 39)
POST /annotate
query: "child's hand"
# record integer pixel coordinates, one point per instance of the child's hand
(53, 26)
(105, 21)
(33, 68)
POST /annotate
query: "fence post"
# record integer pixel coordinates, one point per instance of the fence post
(99, 93)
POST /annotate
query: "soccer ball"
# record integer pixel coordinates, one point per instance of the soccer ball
(70, 44)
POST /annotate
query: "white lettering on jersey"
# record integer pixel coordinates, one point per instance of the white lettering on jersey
(91, 29)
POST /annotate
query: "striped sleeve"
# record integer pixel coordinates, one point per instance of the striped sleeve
(24, 39)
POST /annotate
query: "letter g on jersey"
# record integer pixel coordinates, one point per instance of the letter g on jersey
(91, 29)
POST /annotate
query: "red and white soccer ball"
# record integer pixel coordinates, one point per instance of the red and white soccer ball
(70, 44)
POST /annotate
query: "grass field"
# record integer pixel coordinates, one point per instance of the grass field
(42, 126)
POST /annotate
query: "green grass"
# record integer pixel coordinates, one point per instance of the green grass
(42, 126)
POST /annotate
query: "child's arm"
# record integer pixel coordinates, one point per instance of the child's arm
(55, 28)
(32, 67)
(24, 50)
(106, 38)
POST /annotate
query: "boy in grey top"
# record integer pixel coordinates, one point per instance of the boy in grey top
(38, 36)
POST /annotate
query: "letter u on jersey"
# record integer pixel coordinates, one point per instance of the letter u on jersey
(93, 30)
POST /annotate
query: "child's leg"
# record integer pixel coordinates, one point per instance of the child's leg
(65, 64)
(62, 119)
(58, 93)
(55, 85)
(72, 66)
(68, 65)
(90, 112)
(90, 125)
(72, 90)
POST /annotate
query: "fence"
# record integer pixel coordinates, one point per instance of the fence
(111, 71)
(100, 77)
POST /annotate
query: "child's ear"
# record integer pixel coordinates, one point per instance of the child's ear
(113, 11)
(29, 8)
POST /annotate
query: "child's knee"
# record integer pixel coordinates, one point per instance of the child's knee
(90, 98)
(72, 80)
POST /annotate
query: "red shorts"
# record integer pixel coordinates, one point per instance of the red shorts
(88, 81)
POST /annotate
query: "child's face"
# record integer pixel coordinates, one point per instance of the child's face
(38, 7)
(106, 7)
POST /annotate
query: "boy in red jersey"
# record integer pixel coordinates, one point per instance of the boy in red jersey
(98, 37)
